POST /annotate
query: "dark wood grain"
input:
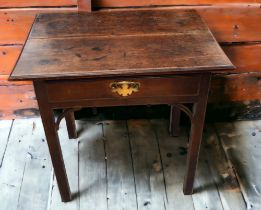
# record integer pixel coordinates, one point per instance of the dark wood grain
(117, 23)
(129, 43)
(100, 89)
(174, 121)
(196, 131)
(54, 58)
(52, 138)
(71, 125)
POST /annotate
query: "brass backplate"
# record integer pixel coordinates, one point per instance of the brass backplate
(125, 88)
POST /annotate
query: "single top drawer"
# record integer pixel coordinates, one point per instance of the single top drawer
(121, 88)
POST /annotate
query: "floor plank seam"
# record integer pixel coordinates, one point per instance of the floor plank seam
(52, 179)
(8, 137)
(105, 160)
(78, 178)
(161, 162)
(244, 194)
(206, 154)
(132, 164)
(165, 207)
(206, 160)
(20, 189)
(216, 186)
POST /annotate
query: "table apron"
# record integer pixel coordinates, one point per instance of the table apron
(124, 102)
(123, 91)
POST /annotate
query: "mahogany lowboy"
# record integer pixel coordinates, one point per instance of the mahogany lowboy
(116, 59)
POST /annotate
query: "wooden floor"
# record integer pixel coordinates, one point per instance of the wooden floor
(132, 165)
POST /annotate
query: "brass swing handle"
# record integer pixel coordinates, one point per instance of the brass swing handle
(125, 88)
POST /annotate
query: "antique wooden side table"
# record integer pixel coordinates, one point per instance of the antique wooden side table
(120, 58)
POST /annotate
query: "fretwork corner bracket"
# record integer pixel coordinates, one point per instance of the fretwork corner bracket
(62, 115)
(185, 109)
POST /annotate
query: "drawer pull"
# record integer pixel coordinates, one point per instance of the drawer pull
(125, 88)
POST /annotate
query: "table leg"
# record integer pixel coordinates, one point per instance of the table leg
(53, 142)
(196, 131)
(174, 121)
(71, 126)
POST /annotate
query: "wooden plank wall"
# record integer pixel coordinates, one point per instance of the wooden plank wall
(236, 24)
(17, 99)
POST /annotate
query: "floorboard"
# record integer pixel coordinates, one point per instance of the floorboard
(92, 167)
(202, 198)
(147, 166)
(221, 171)
(173, 157)
(5, 129)
(128, 165)
(242, 145)
(37, 172)
(121, 193)
(23, 152)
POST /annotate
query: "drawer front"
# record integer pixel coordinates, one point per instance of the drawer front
(123, 88)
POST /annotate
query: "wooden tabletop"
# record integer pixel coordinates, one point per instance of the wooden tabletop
(148, 42)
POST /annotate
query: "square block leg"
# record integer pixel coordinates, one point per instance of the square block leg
(71, 126)
(53, 142)
(174, 121)
(197, 125)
